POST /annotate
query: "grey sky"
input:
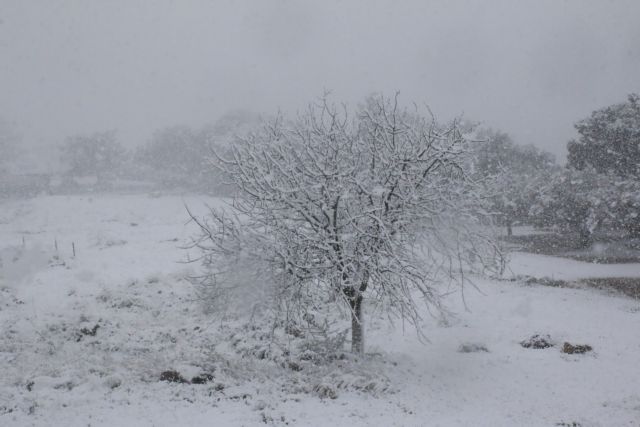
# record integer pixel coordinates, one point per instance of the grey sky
(531, 68)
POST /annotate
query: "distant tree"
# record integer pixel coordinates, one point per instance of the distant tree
(609, 140)
(585, 201)
(565, 204)
(625, 203)
(514, 174)
(606, 156)
(178, 156)
(339, 209)
(182, 157)
(98, 154)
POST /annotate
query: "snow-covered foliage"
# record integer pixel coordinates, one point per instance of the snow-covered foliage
(609, 140)
(333, 209)
(586, 202)
(513, 175)
(600, 189)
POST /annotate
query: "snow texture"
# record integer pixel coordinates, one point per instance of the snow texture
(84, 339)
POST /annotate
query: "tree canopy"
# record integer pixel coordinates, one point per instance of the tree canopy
(336, 208)
(513, 174)
(609, 140)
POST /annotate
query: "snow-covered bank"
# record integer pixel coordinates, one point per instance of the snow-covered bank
(540, 266)
(128, 278)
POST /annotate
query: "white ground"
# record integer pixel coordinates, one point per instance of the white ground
(126, 277)
(566, 269)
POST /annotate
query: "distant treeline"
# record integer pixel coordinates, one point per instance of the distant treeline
(598, 189)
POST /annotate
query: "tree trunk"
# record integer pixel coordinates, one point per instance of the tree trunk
(357, 325)
(509, 229)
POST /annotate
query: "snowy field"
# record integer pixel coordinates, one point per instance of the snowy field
(85, 338)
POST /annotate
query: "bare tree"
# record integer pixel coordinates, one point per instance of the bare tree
(340, 209)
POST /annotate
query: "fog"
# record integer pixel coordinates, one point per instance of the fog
(360, 259)
(529, 68)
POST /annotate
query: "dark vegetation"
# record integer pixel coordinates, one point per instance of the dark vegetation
(173, 376)
(629, 286)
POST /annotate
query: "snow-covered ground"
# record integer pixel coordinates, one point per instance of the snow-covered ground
(128, 277)
(540, 266)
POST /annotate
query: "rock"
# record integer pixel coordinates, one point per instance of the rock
(472, 348)
(537, 342)
(575, 349)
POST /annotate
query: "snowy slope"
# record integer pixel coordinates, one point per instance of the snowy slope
(566, 269)
(129, 279)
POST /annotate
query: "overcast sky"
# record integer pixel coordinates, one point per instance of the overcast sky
(531, 68)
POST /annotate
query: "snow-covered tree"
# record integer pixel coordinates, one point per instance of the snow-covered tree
(514, 175)
(581, 201)
(338, 209)
(177, 156)
(600, 189)
(182, 157)
(98, 154)
(609, 140)
(625, 203)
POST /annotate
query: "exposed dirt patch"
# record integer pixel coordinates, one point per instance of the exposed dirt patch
(629, 286)
(547, 281)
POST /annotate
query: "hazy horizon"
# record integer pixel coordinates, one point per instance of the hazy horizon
(531, 69)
